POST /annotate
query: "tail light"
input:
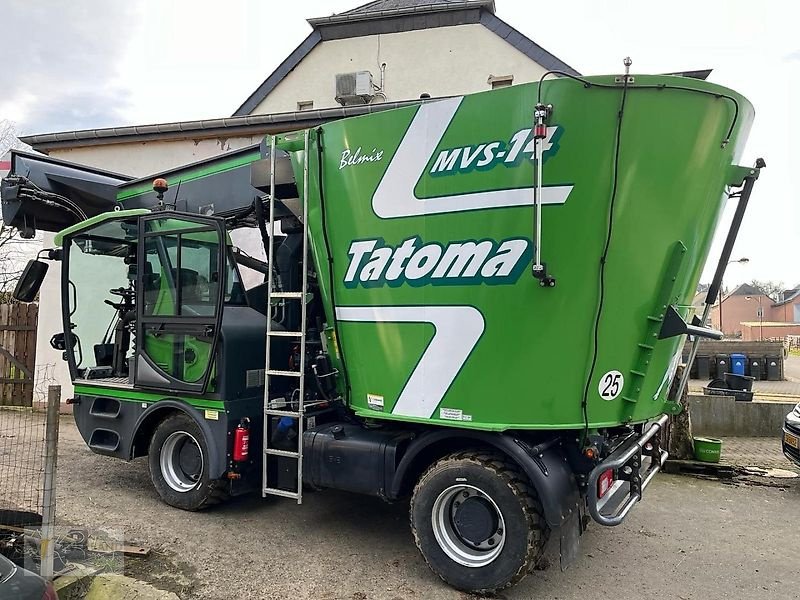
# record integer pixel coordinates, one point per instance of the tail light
(604, 483)
(49, 592)
(241, 441)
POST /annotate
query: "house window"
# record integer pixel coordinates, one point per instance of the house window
(498, 81)
(305, 105)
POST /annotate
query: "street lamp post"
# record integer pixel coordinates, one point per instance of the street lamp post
(741, 261)
(760, 317)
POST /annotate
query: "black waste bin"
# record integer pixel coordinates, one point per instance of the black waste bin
(757, 366)
(703, 362)
(722, 364)
(693, 370)
(774, 367)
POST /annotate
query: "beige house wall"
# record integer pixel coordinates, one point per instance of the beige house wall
(443, 61)
(144, 158)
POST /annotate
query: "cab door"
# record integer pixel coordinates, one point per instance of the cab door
(180, 292)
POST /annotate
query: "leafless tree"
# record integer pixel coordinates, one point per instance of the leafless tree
(770, 288)
(14, 250)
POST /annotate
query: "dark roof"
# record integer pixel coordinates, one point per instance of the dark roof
(271, 82)
(746, 289)
(208, 128)
(395, 8)
(392, 16)
(788, 296)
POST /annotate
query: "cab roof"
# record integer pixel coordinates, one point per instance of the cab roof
(113, 215)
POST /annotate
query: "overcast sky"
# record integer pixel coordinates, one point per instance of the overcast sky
(94, 63)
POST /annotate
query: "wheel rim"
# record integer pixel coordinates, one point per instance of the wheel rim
(181, 461)
(468, 525)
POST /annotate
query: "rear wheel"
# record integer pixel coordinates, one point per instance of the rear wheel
(178, 458)
(477, 521)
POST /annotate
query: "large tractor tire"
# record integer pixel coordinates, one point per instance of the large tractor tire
(477, 521)
(178, 457)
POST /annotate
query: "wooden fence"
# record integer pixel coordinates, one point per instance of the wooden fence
(17, 353)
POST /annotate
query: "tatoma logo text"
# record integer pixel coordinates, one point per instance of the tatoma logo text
(373, 263)
(487, 155)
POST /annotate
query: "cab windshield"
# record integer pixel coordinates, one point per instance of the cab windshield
(180, 278)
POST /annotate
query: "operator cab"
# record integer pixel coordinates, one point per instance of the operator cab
(142, 298)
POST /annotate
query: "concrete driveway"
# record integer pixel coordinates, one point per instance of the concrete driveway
(691, 539)
(791, 368)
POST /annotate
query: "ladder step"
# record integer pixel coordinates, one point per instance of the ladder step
(286, 453)
(286, 333)
(286, 295)
(280, 492)
(284, 373)
(274, 412)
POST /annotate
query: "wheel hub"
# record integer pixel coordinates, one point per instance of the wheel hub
(468, 525)
(475, 519)
(181, 461)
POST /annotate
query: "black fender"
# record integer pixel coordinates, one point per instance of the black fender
(545, 465)
(216, 436)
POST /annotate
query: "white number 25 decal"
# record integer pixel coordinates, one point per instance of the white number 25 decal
(611, 385)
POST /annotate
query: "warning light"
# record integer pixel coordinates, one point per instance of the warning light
(160, 185)
(604, 483)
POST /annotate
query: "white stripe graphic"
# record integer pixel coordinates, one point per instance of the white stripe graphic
(395, 195)
(458, 329)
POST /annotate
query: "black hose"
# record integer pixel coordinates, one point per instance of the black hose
(329, 252)
(588, 84)
(603, 259)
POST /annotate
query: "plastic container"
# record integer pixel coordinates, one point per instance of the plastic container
(757, 370)
(703, 362)
(738, 364)
(707, 449)
(693, 370)
(722, 364)
(734, 381)
(774, 367)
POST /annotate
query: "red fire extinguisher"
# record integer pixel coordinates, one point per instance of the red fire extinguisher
(241, 441)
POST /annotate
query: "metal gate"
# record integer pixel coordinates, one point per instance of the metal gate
(17, 353)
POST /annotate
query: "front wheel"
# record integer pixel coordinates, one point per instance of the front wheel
(477, 521)
(178, 458)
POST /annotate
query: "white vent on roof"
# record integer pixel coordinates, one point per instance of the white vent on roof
(354, 88)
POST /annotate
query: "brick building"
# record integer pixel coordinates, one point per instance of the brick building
(749, 313)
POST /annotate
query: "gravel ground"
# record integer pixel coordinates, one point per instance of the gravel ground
(690, 539)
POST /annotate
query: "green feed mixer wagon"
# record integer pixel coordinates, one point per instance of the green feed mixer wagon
(477, 302)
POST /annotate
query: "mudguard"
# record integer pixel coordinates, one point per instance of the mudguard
(544, 464)
(216, 436)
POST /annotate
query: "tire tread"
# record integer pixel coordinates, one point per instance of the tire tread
(508, 471)
(216, 488)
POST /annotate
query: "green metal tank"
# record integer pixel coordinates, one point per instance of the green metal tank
(423, 232)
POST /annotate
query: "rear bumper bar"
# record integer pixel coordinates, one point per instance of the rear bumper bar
(634, 464)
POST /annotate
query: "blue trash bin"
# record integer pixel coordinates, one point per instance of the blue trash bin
(738, 364)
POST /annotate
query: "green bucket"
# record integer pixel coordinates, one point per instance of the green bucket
(707, 449)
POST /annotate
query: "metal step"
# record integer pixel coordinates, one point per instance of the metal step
(284, 373)
(286, 453)
(275, 412)
(280, 492)
(272, 454)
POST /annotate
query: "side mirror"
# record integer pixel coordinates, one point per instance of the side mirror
(30, 281)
